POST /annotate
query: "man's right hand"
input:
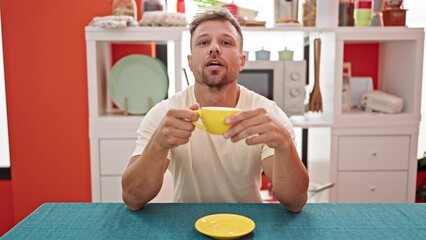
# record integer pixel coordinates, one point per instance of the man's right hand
(176, 127)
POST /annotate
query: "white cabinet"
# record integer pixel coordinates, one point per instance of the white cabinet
(373, 152)
(372, 186)
(372, 155)
(372, 168)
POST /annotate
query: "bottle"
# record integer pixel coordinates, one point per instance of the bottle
(180, 6)
(346, 12)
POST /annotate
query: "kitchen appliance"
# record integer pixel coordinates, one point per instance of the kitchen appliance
(359, 86)
(281, 81)
(382, 102)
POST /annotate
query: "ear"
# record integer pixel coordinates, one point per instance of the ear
(243, 59)
(190, 62)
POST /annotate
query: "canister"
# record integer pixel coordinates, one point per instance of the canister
(362, 12)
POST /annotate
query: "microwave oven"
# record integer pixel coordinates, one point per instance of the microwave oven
(281, 81)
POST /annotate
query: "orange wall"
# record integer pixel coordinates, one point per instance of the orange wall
(46, 90)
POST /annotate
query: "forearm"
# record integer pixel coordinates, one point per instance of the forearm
(143, 178)
(290, 179)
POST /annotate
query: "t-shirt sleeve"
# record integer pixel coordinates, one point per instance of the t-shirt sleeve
(148, 126)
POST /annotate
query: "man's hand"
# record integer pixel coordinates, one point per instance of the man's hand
(284, 169)
(176, 127)
(257, 126)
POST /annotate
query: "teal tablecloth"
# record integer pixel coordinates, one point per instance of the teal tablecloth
(176, 221)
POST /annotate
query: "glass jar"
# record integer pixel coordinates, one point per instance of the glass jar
(153, 5)
(309, 13)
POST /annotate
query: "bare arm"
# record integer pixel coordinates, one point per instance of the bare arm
(285, 170)
(289, 179)
(143, 178)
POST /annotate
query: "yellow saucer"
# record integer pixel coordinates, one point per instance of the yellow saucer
(225, 226)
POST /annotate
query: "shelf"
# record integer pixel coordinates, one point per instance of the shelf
(114, 126)
(377, 119)
(134, 34)
(355, 34)
(311, 119)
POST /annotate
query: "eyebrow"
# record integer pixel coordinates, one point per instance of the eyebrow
(222, 35)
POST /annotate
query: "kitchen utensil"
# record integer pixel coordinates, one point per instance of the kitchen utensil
(377, 19)
(186, 76)
(315, 99)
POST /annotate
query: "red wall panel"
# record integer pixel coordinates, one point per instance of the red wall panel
(364, 59)
(46, 90)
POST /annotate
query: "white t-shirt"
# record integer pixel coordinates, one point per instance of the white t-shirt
(210, 168)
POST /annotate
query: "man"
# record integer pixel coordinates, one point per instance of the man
(214, 168)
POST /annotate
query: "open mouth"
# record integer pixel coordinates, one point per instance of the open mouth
(213, 63)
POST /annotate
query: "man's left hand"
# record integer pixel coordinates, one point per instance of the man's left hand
(257, 126)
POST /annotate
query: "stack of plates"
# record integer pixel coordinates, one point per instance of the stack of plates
(141, 79)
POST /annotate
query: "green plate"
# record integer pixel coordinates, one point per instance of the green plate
(138, 78)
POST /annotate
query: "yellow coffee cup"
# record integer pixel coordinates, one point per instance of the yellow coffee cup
(213, 119)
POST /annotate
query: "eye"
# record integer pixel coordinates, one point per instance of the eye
(227, 43)
(203, 43)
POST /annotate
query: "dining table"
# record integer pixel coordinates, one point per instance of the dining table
(177, 221)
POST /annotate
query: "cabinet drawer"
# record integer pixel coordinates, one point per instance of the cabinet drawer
(374, 152)
(372, 187)
(111, 189)
(115, 155)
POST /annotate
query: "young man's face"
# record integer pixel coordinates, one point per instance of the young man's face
(216, 58)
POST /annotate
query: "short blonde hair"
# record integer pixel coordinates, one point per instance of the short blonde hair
(211, 14)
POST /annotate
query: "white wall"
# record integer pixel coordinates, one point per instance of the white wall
(417, 18)
(4, 136)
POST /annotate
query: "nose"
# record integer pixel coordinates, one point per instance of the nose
(214, 48)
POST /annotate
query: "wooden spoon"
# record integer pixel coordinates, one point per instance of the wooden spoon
(315, 100)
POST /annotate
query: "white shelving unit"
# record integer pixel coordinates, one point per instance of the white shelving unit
(372, 155)
(112, 134)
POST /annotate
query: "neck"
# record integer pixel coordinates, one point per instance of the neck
(227, 96)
